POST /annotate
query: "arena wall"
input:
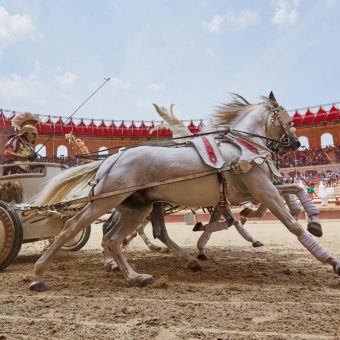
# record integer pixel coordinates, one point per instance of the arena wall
(115, 135)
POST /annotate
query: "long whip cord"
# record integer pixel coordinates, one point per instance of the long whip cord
(78, 108)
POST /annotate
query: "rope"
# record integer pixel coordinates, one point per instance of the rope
(66, 205)
(222, 131)
(159, 121)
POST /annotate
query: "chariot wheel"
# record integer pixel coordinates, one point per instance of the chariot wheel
(79, 240)
(11, 235)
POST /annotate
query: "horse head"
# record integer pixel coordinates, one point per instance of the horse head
(266, 119)
(280, 126)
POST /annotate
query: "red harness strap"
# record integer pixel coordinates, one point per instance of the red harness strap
(247, 145)
(210, 150)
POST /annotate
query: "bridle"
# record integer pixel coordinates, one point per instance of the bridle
(287, 140)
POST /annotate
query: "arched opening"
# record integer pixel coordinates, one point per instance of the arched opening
(103, 151)
(62, 151)
(327, 140)
(40, 149)
(304, 143)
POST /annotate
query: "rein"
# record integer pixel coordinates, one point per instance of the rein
(226, 130)
(256, 135)
(89, 199)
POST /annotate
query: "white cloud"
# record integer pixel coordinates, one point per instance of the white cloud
(241, 21)
(15, 27)
(213, 26)
(155, 87)
(328, 2)
(117, 83)
(17, 87)
(286, 12)
(66, 79)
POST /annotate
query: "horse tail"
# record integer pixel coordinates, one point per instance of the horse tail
(176, 126)
(70, 181)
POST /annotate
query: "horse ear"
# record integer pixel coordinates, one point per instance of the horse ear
(273, 99)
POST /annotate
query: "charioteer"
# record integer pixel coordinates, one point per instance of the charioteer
(19, 148)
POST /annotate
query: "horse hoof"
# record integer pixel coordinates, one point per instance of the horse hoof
(198, 226)
(258, 244)
(203, 257)
(314, 228)
(111, 265)
(194, 265)
(155, 248)
(336, 268)
(243, 220)
(245, 212)
(146, 281)
(37, 286)
(113, 268)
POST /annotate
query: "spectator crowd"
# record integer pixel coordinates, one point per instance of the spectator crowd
(306, 157)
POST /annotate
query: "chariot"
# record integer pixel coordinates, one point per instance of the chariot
(17, 225)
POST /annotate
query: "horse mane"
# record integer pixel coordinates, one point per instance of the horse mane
(226, 113)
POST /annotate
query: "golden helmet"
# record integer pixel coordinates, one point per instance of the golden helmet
(30, 129)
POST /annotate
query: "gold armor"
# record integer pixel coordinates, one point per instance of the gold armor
(23, 150)
(19, 146)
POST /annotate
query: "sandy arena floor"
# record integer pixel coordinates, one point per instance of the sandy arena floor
(275, 292)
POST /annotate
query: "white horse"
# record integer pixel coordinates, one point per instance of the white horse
(154, 168)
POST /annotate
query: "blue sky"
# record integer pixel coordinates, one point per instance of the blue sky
(53, 54)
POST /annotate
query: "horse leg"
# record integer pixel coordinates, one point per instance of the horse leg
(160, 232)
(141, 233)
(293, 205)
(109, 262)
(250, 213)
(244, 215)
(270, 196)
(246, 234)
(129, 220)
(204, 238)
(72, 226)
(201, 243)
(129, 238)
(313, 213)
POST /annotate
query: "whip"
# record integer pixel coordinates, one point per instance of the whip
(77, 109)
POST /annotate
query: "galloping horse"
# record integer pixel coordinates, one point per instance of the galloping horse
(154, 168)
